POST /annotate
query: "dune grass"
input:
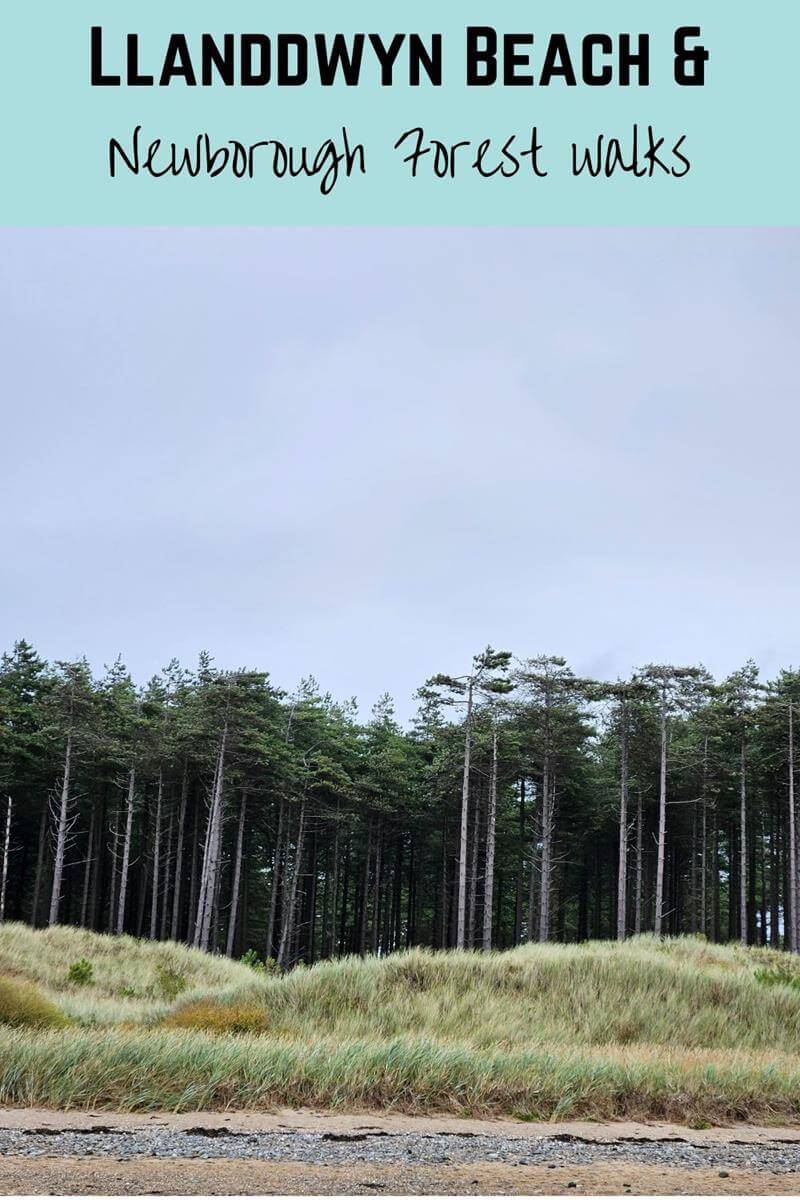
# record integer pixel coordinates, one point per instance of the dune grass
(681, 994)
(131, 979)
(23, 1004)
(132, 1071)
(678, 1030)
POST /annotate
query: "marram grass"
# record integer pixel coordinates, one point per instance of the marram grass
(23, 1004)
(679, 1030)
(183, 1071)
(127, 973)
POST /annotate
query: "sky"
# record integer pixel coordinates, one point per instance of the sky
(364, 454)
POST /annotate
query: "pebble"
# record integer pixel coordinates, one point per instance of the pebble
(434, 1149)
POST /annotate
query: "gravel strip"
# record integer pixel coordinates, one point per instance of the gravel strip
(320, 1149)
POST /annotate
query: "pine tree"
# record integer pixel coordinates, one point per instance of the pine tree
(485, 678)
(73, 699)
(671, 685)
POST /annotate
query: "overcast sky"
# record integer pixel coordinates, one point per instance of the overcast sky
(364, 454)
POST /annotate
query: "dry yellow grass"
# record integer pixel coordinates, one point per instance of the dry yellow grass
(222, 1019)
(23, 1004)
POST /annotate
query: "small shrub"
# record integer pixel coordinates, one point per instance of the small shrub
(264, 966)
(772, 976)
(23, 1004)
(170, 983)
(81, 972)
(212, 1017)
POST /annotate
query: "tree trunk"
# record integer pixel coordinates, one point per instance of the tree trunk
(287, 933)
(776, 859)
(310, 923)
(142, 887)
(276, 879)
(532, 873)
(343, 943)
(637, 919)
(176, 900)
(762, 855)
(491, 823)
(156, 858)
(237, 875)
(694, 886)
(520, 867)
(662, 820)
(704, 845)
(795, 939)
(191, 915)
(87, 872)
(742, 845)
(330, 929)
(37, 883)
(376, 888)
(734, 911)
(545, 882)
(168, 879)
(112, 899)
(362, 930)
(462, 845)
(213, 936)
(326, 903)
(209, 876)
(397, 895)
(622, 872)
(473, 871)
(443, 891)
(714, 929)
(62, 826)
(126, 852)
(6, 847)
(411, 903)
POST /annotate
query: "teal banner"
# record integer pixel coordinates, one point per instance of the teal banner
(245, 113)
